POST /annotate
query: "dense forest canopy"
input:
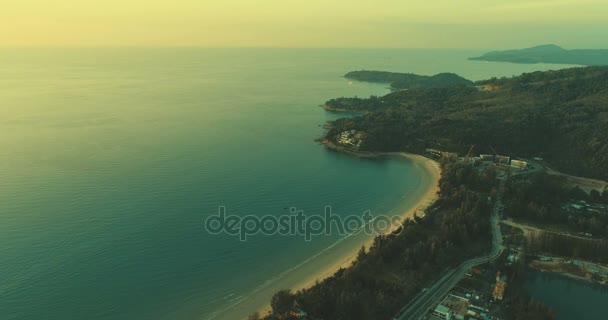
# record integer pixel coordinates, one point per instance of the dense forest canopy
(549, 54)
(561, 116)
(401, 81)
(544, 199)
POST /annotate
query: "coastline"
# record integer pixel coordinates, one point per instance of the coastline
(328, 108)
(426, 196)
(581, 272)
(429, 196)
(342, 253)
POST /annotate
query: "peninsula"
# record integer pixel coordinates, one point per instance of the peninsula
(549, 54)
(400, 81)
(497, 214)
(560, 116)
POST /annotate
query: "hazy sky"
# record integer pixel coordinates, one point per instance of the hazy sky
(305, 23)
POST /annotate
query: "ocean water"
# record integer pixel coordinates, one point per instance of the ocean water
(111, 160)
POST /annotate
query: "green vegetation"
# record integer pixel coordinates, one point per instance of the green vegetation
(566, 246)
(398, 266)
(548, 200)
(522, 306)
(526, 308)
(561, 116)
(549, 54)
(401, 81)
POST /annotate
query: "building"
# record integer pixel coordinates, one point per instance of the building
(297, 313)
(502, 160)
(499, 288)
(452, 307)
(593, 268)
(434, 152)
(440, 153)
(520, 164)
(350, 139)
(512, 258)
(487, 157)
(442, 312)
(458, 306)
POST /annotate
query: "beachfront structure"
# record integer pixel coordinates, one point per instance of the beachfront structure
(351, 139)
(435, 152)
(440, 153)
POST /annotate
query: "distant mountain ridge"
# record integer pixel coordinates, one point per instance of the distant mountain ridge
(400, 81)
(549, 53)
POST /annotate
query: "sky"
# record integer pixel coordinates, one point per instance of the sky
(496, 24)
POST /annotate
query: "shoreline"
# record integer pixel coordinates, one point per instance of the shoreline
(342, 253)
(427, 196)
(328, 108)
(427, 199)
(578, 272)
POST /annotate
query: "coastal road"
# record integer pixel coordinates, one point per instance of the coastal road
(426, 300)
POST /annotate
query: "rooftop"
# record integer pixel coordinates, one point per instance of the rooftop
(442, 309)
(457, 305)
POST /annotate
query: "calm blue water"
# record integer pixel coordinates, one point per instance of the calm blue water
(569, 298)
(111, 159)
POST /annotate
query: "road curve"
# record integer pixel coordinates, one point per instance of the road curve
(427, 299)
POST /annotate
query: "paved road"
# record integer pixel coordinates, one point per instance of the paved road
(528, 228)
(428, 299)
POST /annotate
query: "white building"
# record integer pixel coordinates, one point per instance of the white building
(520, 164)
(442, 312)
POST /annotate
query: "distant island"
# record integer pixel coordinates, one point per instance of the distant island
(549, 54)
(400, 81)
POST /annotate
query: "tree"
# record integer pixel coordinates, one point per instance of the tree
(282, 302)
(360, 255)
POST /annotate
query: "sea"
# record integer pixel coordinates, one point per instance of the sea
(112, 159)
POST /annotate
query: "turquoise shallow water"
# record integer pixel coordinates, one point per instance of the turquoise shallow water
(111, 159)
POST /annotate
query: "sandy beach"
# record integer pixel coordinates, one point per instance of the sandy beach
(342, 253)
(425, 196)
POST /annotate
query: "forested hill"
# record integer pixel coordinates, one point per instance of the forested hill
(400, 81)
(561, 116)
(549, 54)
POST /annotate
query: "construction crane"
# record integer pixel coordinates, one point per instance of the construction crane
(469, 153)
(500, 158)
